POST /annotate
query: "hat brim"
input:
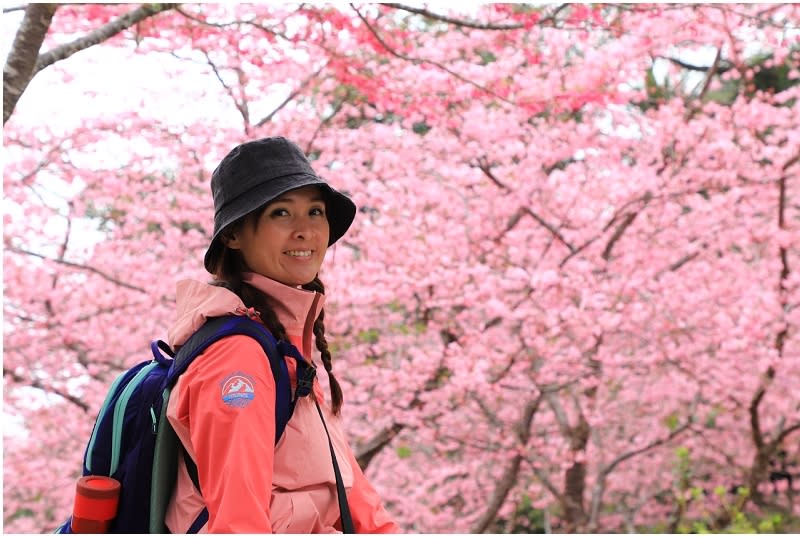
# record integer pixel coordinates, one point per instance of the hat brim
(340, 209)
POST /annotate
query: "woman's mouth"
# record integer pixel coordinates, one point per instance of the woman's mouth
(299, 253)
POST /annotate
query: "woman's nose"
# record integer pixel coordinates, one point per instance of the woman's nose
(303, 229)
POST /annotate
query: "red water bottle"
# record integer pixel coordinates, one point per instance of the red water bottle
(96, 501)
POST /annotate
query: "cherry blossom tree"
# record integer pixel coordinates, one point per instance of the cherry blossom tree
(569, 301)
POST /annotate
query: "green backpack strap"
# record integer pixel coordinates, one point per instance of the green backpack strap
(165, 470)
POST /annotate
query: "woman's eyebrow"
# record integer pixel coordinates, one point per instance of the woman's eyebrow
(291, 197)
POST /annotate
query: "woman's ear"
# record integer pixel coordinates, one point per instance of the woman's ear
(231, 240)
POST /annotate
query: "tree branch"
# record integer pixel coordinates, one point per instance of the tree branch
(487, 412)
(36, 383)
(622, 227)
(558, 412)
(325, 121)
(654, 444)
(241, 106)
(599, 487)
(14, 8)
(20, 66)
(367, 451)
(24, 60)
(786, 432)
(557, 234)
(457, 22)
(483, 165)
(718, 66)
(77, 266)
(714, 69)
(509, 477)
(101, 34)
(303, 85)
(419, 61)
(755, 421)
(474, 24)
(542, 476)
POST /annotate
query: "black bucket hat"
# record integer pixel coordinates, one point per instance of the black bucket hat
(255, 173)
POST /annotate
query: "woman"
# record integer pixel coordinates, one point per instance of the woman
(274, 219)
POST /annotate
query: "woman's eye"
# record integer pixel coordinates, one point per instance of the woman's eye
(317, 211)
(279, 212)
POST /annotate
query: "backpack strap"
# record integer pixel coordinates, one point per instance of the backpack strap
(341, 493)
(167, 442)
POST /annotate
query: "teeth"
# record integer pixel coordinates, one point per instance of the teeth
(299, 253)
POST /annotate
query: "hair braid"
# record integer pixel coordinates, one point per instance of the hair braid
(337, 397)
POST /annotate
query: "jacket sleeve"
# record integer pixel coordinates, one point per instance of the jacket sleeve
(232, 429)
(366, 509)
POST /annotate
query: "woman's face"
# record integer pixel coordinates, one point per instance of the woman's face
(287, 242)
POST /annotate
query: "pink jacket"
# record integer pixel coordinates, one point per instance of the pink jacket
(249, 484)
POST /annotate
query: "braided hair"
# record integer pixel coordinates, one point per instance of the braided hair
(229, 269)
(322, 345)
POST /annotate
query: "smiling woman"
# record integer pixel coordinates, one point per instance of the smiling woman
(274, 220)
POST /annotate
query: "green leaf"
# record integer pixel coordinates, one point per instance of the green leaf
(421, 128)
(370, 335)
(671, 422)
(486, 56)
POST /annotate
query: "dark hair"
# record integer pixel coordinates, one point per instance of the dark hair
(228, 272)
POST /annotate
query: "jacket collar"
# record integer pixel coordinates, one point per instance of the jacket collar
(296, 308)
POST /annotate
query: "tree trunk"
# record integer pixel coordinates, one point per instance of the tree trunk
(21, 61)
(575, 481)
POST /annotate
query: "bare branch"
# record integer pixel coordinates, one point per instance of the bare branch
(36, 383)
(465, 23)
(14, 8)
(303, 85)
(101, 34)
(240, 106)
(457, 22)
(78, 266)
(325, 121)
(711, 72)
(718, 65)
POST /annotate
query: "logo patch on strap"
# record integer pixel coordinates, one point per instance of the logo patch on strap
(238, 390)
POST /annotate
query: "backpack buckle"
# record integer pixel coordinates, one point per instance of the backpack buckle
(305, 379)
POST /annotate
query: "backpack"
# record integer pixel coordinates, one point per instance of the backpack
(132, 443)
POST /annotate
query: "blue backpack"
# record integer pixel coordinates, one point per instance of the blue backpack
(133, 443)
